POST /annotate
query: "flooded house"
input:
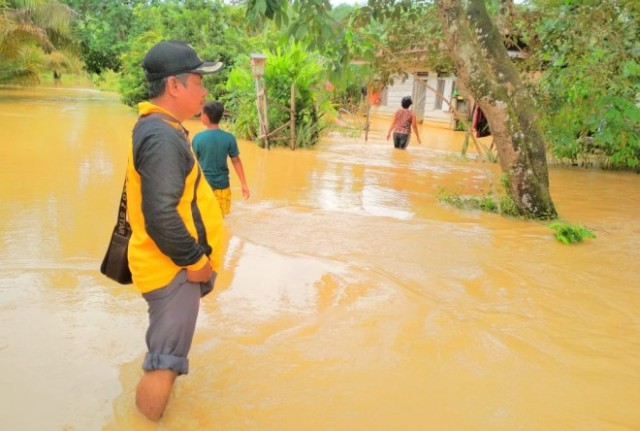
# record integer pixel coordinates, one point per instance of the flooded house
(427, 104)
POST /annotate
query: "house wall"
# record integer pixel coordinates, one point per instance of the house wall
(393, 94)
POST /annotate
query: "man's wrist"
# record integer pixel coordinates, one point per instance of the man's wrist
(199, 264)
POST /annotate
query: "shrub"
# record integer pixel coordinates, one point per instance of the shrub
(570, 234)
(284, 66)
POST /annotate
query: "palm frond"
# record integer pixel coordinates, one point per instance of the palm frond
(25, 68)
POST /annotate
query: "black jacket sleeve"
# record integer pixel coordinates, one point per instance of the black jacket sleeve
(163, 160)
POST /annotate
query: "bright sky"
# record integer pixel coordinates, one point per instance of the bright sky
(338, 2)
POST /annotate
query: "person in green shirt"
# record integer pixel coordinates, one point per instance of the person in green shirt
(212, 147)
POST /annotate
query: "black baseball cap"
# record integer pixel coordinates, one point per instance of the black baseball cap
(173, 57)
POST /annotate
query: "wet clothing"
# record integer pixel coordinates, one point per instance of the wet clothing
(402, 129)
(212, 147)
(176, 224)
(400, 140)
(175, 218)
(403, 119)
(173, 311)
(224, 199)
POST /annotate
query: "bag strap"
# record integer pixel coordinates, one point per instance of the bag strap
(122, 226)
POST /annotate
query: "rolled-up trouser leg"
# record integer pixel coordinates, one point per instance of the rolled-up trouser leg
(173, 311)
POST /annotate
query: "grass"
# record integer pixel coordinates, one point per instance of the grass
(107, 81)
(566, 233)
(570, 234)
(503, 205)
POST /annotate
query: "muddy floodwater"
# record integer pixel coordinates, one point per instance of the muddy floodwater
(351, 298)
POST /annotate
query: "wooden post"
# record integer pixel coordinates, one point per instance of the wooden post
(465, 144)
(292, 142)
(257, 69)
(261, 129)
(263, 117)
(367, 124)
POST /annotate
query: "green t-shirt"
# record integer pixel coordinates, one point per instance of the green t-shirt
(212, 147)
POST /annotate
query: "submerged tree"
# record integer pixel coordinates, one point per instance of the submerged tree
(488, 73)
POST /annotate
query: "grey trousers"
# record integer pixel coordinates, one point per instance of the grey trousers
(173, 311)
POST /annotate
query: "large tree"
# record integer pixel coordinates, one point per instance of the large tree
(488, 73)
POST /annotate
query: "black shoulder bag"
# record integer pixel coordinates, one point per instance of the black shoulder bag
(115, 264)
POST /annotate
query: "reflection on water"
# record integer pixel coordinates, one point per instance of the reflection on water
(350, 298)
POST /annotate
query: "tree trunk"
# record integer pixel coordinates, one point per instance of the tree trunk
(505, 18)
(492, 79)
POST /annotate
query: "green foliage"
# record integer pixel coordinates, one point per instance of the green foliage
(294, 65)
(102, 28)
(505, 180)
(284, 66)
(589, 52)
(108, 80)
(215, 30)
(241, 100)
(308, 132)
(387, 38)
(23, 68)
(34, 37)
(399, 37)
(351, 99)
(503, 205)
(133, 85)
(570, 234)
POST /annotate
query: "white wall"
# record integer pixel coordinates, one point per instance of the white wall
(401, 88)
(395, 93)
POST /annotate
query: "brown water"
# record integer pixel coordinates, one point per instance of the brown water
(351, 299)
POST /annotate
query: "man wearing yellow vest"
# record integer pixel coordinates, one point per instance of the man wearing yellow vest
(175, 246)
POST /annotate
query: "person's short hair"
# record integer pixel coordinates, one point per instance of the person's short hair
(406, 102)
(213, 110)
(156, 87)
(174, 57)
